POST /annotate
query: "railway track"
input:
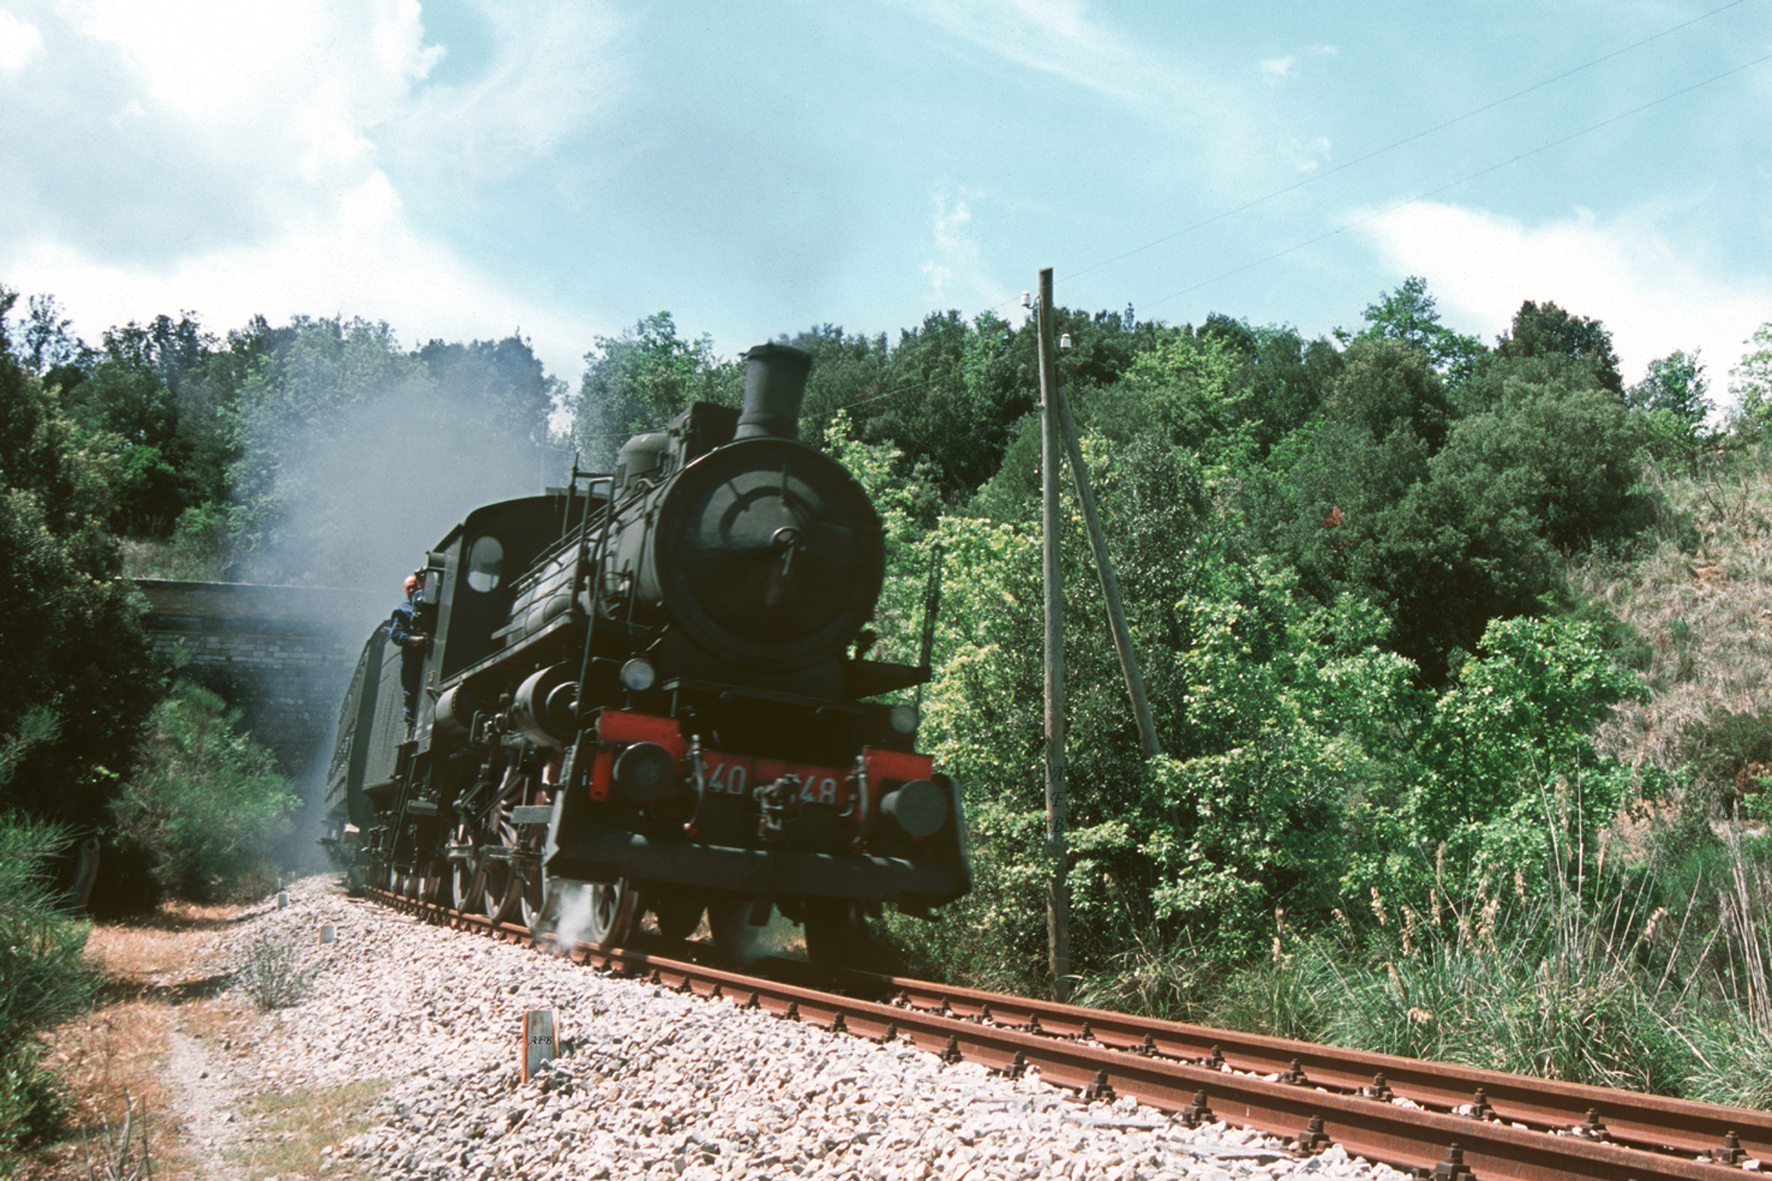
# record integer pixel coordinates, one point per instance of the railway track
(1443, 1122)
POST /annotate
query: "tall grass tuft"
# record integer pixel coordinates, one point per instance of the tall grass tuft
(1525, 985)
(121, 1157)
(273, 971)
(1656, 978)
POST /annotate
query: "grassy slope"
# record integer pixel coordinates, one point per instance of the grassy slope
(1701, 597)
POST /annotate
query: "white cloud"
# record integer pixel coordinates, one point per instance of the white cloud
(361, 261)
(553, 69)
(953, 246)
(20, 43)
(958, 274)
(231, 164)
(1626, 272)
(1064, 39)
(1285, 67)
(1308, 156)
(299, 80)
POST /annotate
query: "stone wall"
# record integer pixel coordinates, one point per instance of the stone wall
(282, 654)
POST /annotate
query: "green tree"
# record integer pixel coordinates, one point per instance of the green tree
(849, 375)
(953, 393)
(79, 674)
(1671, 400)
(42, 977)
(1181, 391)
(1569, 458)
(1545, 329)
(1291, 713)
(1410, 315)
(1675, 384)
(331, 421)
(207, 806)
(51, 349)
(1386, 387)
(504, 380)
(1750, 381)
(640, 380)
(953, 398)
(1513, 783)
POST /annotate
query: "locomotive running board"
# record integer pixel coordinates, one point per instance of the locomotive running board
(605, 854)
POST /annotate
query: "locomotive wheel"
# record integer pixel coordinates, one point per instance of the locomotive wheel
(678, 916)
(500, 883)
(464, 867)
(834, 930)
(539, 909)
(614, 907)
(498, 897)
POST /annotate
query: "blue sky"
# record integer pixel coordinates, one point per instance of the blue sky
(464, 169)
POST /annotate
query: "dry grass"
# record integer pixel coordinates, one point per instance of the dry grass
(162, 978)
(292, 1133)
(1703, 601)
(151, 969)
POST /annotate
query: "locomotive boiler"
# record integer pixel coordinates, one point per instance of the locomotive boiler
(652, 684)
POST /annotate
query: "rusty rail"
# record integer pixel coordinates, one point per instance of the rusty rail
(1440, 1121)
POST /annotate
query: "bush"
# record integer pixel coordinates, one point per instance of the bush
(206, 806)
(42, 976)
(30, 1106)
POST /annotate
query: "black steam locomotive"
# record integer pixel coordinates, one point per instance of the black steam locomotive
(655, 688)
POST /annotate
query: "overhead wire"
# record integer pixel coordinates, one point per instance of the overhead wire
(1377, 152)
(1408, 139)
(1466, 179)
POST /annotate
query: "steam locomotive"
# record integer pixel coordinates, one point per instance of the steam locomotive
(652, 694)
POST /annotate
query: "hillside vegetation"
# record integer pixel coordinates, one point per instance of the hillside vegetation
(1700, 599)
(1455, 648)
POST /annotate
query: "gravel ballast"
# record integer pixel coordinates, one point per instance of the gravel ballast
(651, 1083)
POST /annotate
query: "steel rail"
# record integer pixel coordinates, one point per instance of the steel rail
(1098, 1054)
(1652, 1122)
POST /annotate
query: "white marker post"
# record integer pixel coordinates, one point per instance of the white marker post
(282, 900)
(328, 933)
(538, 1040)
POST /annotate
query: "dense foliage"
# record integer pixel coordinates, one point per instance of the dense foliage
(79, 680)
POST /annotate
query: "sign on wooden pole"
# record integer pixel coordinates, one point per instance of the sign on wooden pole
(538, 1040)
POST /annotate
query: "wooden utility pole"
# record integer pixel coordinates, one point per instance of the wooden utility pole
(1110, 586)
(1058, 907)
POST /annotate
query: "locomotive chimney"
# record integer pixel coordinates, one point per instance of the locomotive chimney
(774, 383)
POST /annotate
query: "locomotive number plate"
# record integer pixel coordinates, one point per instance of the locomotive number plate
(740, 775)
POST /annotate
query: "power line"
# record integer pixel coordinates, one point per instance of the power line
(1419, 197)
(1470, 114)
(1409, 139)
